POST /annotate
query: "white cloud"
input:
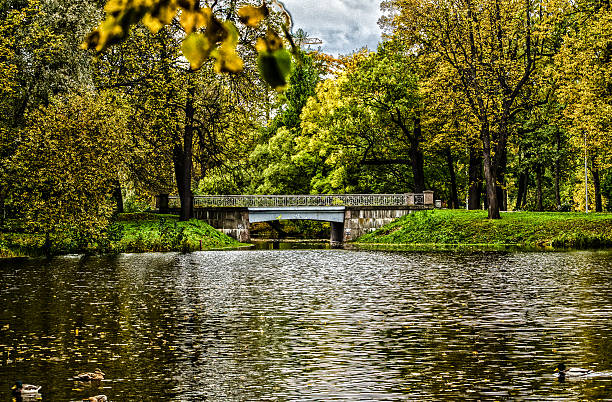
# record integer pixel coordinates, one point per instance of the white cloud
(343, 25)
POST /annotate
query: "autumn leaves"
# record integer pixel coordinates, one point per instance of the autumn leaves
(206, 36)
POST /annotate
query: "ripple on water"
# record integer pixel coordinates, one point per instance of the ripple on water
(309, 325)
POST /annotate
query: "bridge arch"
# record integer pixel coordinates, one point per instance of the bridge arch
(325, 214)
(350, 215)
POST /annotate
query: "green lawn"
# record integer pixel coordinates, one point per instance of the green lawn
(154, 232)
(532, 229)
(141, 232)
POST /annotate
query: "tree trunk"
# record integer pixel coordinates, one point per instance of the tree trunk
(2, 207)
(501, 181)
(558, 172)
(47, 246)
(475, 179)
(490, 173)
(490, 178)
(522, 190)
(454, 198)
(416, 157)
(597, 185)
(539, 205)
(118, 197)
(182, 156)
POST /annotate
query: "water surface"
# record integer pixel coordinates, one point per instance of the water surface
(309, 325)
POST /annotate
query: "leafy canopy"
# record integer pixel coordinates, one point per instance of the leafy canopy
(206, 35)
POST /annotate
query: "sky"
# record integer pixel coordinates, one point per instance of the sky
(343, 25)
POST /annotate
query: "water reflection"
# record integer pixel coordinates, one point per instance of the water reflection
(309, 325)
(274, 244)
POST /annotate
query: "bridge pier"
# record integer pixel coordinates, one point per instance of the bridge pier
(337, 232)
(362, 220)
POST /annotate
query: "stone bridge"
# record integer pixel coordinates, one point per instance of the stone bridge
(350, 215)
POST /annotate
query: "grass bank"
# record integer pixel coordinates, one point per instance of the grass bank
(438, 228)
(130, 233)
(143, 232)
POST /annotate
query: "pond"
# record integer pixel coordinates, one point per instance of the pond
(308, 325)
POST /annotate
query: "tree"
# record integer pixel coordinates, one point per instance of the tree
(189, 118)
(386, 85)
(65, 168)
(275, 168)
(367, 120)
(585, 74)
(39, 58)
(493, 49)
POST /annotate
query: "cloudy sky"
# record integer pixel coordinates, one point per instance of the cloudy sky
(342, 25)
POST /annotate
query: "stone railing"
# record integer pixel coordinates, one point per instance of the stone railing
(353, 200)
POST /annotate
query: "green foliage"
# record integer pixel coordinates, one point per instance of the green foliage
(585, 78)
(64, 169)
(136, 232)
(277, 166)
(361, 125)
(75, 127)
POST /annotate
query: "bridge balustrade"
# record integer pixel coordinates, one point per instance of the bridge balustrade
(321, 200)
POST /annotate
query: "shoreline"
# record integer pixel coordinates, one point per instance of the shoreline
(436, 230)
(461, 247)
(353, 246)
(460, 229)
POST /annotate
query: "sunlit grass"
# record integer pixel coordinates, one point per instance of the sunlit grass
(539, 229)
(138, 232)
(153, 232)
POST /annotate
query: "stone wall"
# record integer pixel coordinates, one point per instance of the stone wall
(234, 222)
(361, 220)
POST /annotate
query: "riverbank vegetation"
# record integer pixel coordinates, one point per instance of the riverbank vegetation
(507, 108)
(523, 229)
(131, 232)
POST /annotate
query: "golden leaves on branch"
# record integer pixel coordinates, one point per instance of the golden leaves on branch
(197, 46)
(274, 62)
(227, 59)
(193, 18)
(196, 49)
(253, 16)
(206, 36)
(121, 14)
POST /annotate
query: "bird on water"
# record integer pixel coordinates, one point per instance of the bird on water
(574, 372)
(97, 398)
(96, 375)
(23, 390)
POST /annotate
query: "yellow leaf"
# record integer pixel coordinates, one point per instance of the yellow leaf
(166, 13)
(227, 60)
(193, 20)
(114, 6)
(269, 43)
(196, 48)
(252, 16)
(152, 23)
(261, 45)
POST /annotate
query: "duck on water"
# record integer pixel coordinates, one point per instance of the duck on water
(563, 373)
(97, 375)
(25, 391)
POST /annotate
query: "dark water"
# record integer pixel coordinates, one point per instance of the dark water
(309, 325)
